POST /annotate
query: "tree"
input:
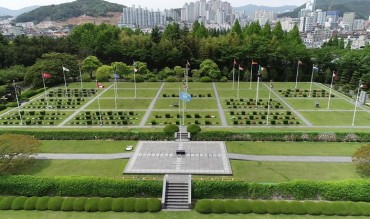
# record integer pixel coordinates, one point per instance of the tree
(155, 35)
(210, 68)
(90, 64)
(104, 73)
(236, 28)
(362, 160)
(16, 151)
(365, 80)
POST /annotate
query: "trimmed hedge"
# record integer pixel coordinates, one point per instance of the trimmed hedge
(78, 186)
(283, 207)
(93, 204)
(347, 190)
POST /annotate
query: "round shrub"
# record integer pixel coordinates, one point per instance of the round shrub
(105, 204)
(92, 204)
(224, 79)
(276, 207)
(6, 203)
(55, 203)
(204, 206)
(193, 129)
(154, 205)
(141, 205)
(153, 79)
(12, 104)
(363, 208)
(2, 107)
(295, 207)
(312, 208)
(171, 79)
(341, 208)
(118, 205)
(218, 206)
(18, 203)
(171, 129)
(327, 208)
(244, 206)
(68, 204)
(129, 204)
(42, 203)
(206, 79)
(30, 203)
(79, 204)
(259, 207)
(231, 207)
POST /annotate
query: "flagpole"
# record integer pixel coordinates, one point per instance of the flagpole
(16, 97)
(251, 76)
(357, 97)
(331, 87)
(79, 68)
(46, 95)
(268, 105)
(101, 122)
(258, 86)
(296, 78)
(234, 76)
(180, 116)
(237, 92)
(313, 67)
(65, 81)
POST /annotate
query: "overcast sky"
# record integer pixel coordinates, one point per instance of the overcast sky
(151, 4)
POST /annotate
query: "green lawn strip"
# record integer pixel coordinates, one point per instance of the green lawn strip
(309, 104)
(191, 117)
(108, 168)
(253, 171)
(172, 93)
(50, 117)
(291, 85)
(191, 85)
(160, 215)
(130, 93)
(294, 148)
(109, 117)
(336, 118)
(195, 103)
(91, 84)
(245, 93)
(86, 147)
(106, 104)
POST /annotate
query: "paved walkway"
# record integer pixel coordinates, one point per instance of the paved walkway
(219, 106)
(151, 107)
(304, 120)
(330, 159)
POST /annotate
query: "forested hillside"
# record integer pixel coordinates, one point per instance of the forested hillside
(69, 10)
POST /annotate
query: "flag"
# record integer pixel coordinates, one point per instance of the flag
(235, 62)
(135, 69)
(187, 63)
(261, 70)
(99, 85)
(65, 69)
(335, 75)
(254, 62)
(46, 75)
(315, 69)
(115, 75)
(184, 84)
(299, 62)
(241, 68)
(185, 96)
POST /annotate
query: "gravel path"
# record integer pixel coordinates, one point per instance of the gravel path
(151, 107)
(219, 106)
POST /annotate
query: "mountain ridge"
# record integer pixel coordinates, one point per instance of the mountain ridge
(14, 13)
(250, 8)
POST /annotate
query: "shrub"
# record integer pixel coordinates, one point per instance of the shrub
(105, 204)
(171, 79)
(231, 207)
(244, 206)
(223, 79)
(312, 208)
(6, 203)
(30, 203)
(276, 207)
(171, 129)
(204, 206)
(18, 203)
(67, 204)
(2, 107)
(12, 104)
(92, 204)
(79, 204)
(118, 205)
(206, 79)
(141, 205)
(193, 129)
(129, 205)
(218, 206)
(259, 207)
(154, 205)
(361, 158)
(42, 203)
(55, 203)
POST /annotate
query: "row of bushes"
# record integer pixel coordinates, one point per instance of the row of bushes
(80, 204)
(339, 208)
(78, 186)
(348, 190)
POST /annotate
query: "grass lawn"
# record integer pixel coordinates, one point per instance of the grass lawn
(253, 171)
(140, 85)
(105, 104)
(192, 85)
(130, 93)
(309, 104)
(85, 85)
(108, 168)
(87, 147)
(196, 103)
(245, 93)
(294, 148)
(336, 118)
(161, 215)
(291, 85)
(160, 117)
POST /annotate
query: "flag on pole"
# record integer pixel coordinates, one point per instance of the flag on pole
(261, 70)
(235, 62)
(99, 85)
(315, 69)
(335, 75)
(115, 76)
(241, 68)
(65, 69)
(185, 96)
(299, 62)
(135, 69)
(46, 75)
(187, 62)
(184, 84)
(254, 62)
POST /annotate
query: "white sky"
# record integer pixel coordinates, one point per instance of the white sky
(150, 4)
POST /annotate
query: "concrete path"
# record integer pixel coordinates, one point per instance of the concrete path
(330, 159)
(151, 107)
(219, 106)
(304, 120)
(83, 107)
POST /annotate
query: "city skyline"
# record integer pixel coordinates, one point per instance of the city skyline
(150, 4)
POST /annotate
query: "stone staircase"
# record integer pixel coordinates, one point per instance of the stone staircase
(176, 192)
(182, 134)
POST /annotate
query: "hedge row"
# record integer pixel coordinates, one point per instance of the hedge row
(348, 190)
(78, 186)
(80, 204)
(339, 208)
(281, 136)
(202, 136)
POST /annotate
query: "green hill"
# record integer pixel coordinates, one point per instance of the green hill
(65, 11)
(360, 7)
